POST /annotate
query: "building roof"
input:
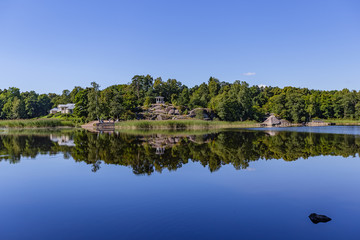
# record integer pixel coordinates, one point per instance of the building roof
(272, 120)
(317, 121)
(71, 105)
(68, 106)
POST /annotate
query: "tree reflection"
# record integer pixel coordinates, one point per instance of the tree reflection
(145, 154)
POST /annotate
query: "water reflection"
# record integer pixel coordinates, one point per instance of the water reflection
(62, 140)
(148, 153)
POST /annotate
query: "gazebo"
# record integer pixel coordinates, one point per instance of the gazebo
(160, 150)
(159, 100)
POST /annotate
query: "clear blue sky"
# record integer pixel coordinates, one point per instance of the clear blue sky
(49, 46)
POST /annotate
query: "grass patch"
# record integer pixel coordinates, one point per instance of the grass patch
(35, 123)
(182, 124)
(343, 121)
(77, 121)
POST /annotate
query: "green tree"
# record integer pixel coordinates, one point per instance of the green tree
(296, 107)
(200, 97)
(214, 86)
(116, 107)
(141, 85)
(44, 105)
(17, 109)
(184, 97)
(81, 101)
(93, 101)
(31, 104)
(74, 92)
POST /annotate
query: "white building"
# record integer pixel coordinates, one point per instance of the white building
(63, 109)
(62, 140)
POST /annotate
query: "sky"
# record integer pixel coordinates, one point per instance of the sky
(48, 46)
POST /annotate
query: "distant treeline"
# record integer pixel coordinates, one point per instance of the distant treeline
(231, 101)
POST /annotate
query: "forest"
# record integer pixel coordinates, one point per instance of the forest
(237, 101)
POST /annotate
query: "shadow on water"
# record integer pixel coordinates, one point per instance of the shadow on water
(147, 152)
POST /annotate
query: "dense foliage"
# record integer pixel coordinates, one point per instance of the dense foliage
(231, 101)
(214, 150)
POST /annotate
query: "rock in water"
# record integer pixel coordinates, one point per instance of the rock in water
(316, 218)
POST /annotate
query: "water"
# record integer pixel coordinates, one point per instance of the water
(353, 130)
(240, 184)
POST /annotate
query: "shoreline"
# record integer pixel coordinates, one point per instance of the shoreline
(161, 124)
(205, 125)
(182, 125)
(35, 123)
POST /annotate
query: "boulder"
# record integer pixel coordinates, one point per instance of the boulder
(171, 111)
(316, 218)
(159, 112)
(180, 117)
(284, 122)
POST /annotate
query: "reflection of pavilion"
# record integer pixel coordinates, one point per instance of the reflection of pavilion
(160, 150)
(160, 142)
(63, 140)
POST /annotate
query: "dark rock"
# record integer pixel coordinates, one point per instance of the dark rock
(316, 218)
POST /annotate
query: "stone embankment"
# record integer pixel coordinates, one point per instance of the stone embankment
(96, 126)
(89, 125)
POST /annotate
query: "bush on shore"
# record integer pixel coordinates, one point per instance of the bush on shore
(35, 123)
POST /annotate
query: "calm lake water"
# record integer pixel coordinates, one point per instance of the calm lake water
(238, 184)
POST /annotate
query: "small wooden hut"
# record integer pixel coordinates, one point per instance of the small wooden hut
(271, 121)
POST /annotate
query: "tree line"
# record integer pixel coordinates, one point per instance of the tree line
(236, 101)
